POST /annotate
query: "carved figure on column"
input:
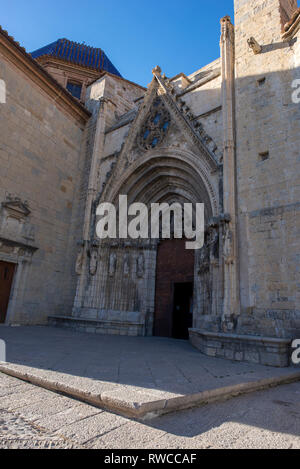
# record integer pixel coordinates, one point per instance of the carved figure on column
(213, 241)
(79, 262)
(126, 266)
(112, 264)
(94, 262)
(203, 260)
(228, 251)
(140, 268)
(204, 273)
(229, 318)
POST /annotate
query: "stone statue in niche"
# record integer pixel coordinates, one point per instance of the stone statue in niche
(93, 261)
(140, 266)
(126, 266)
(112, 264)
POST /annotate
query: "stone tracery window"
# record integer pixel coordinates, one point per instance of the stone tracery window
(155, 126)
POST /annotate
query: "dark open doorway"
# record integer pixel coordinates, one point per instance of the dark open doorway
(7, 271)
(182, 310)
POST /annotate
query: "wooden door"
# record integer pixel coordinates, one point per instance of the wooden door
(174, 265)
(7, 271)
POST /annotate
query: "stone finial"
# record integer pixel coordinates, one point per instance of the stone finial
(226, 19)
(227, 28)
(156, 70)
(226, 22)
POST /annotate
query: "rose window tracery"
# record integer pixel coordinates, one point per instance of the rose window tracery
(155, 127)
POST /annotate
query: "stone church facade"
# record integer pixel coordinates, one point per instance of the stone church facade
(226, 136)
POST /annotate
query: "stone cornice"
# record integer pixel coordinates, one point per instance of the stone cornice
(19, 58)
(18, 244)
(48, 60)
(212, 75)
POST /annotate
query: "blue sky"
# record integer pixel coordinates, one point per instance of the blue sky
(178, 35)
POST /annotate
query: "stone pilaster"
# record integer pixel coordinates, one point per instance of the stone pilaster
(85, 254)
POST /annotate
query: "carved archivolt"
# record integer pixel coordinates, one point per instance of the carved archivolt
(188, 164)
(155, 127)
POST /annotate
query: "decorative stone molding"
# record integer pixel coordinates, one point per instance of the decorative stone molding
(14, 222)
(16, 207)
(14, 248)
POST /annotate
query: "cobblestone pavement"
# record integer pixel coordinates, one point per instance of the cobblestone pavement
(31, 417)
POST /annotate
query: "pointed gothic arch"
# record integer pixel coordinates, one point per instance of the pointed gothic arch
(185, 171)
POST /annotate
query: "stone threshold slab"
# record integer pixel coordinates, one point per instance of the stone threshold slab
(142, 403)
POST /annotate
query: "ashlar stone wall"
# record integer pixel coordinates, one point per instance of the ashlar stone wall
(41, 167)
(268, 172)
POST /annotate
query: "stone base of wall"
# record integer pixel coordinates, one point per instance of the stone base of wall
(261, 350)
(98, 326)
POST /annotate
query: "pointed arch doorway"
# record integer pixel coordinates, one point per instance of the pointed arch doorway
(174, 289)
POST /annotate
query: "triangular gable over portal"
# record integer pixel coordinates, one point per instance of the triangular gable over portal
(161, 89)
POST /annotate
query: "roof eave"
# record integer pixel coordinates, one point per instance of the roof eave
(18, 55)
(102, 74)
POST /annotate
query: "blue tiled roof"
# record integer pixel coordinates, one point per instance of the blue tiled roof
(79, 54)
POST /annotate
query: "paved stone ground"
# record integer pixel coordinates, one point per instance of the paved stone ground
(31, 417)
(125, 371)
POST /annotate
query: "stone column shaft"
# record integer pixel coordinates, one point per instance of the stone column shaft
(230, 238)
